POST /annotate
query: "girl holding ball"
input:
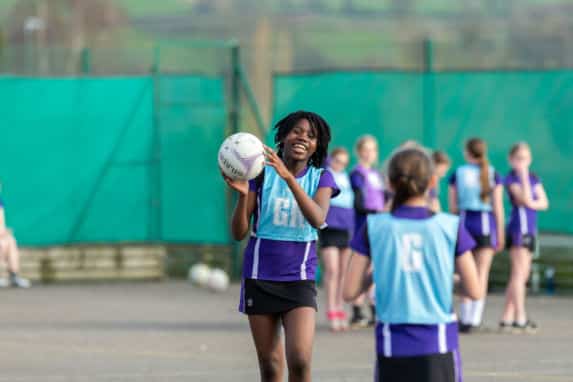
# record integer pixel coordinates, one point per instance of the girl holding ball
(283, 208)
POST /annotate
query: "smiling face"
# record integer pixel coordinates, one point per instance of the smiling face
(300, 142)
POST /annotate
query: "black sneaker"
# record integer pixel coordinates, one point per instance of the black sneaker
(465, 328)
(505, 327)
(358, 320)
(372, 320)
(529, 327)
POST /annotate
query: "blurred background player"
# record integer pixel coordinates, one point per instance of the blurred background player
(10, 254)
(527, 196)
(335, 239)
(368, 188)
(442, 165)
(416, 332)
(288, 202)
(476, 194)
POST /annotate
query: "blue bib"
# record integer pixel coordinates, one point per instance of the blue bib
(346, 197)
(469, 188)
(280, 217)
(413, 263)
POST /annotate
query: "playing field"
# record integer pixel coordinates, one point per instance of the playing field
(174, 332)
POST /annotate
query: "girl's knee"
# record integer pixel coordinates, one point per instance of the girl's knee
(298, 364)
(271, 366)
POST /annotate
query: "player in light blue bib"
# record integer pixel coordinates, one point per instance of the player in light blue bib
(335, 239)
(282, 209)
(413, 252)
(476, 194)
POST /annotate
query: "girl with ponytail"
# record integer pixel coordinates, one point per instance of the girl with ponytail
(476, 194)
(413, 252)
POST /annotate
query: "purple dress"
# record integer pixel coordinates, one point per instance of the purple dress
(409, 340)
(522, 220)
(368, 190)
(281, 260)
(480, 224)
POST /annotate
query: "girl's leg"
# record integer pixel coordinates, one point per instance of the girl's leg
(299, 325)
(12, 255)
(342, 265)
(330, 259)
(508, 316)
(266, 335)
(13, 263)
(484, 257)
(521, 262)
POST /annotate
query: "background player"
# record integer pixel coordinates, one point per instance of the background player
(368, 188)
(335, 239)
(476, 193)
(442, 164)
(527, 196)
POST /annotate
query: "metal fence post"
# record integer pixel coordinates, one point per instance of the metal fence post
(234, 127)
(86, 61)
(155, 197)
(428, 95)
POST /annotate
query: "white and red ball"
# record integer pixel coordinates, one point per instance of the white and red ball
(199, 274)
(218, 280)
(241, 156)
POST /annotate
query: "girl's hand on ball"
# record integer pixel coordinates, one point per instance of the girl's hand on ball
(241, 186)
(273, 160)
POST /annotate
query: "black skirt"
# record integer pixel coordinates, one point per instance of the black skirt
(333, 237)
(276, 297)
(425, 368)
(526, 240)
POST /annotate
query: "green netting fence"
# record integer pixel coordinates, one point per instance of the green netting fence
(443, 109)
(113, 159)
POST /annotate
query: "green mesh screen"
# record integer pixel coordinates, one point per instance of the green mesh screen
(386, 105)
(444, 109)
(113, 159)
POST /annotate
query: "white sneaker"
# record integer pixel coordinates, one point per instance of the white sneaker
(4, 283)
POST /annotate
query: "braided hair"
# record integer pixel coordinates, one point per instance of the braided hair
(317, 123)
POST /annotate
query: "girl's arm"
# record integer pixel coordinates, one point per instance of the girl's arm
(357, 183)
(453, 199)
(357, 279)
(523, 196)
(244, 208)
(359, 202)
(542, 202)
(466, 268)
(498, 213)
(313, 209)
